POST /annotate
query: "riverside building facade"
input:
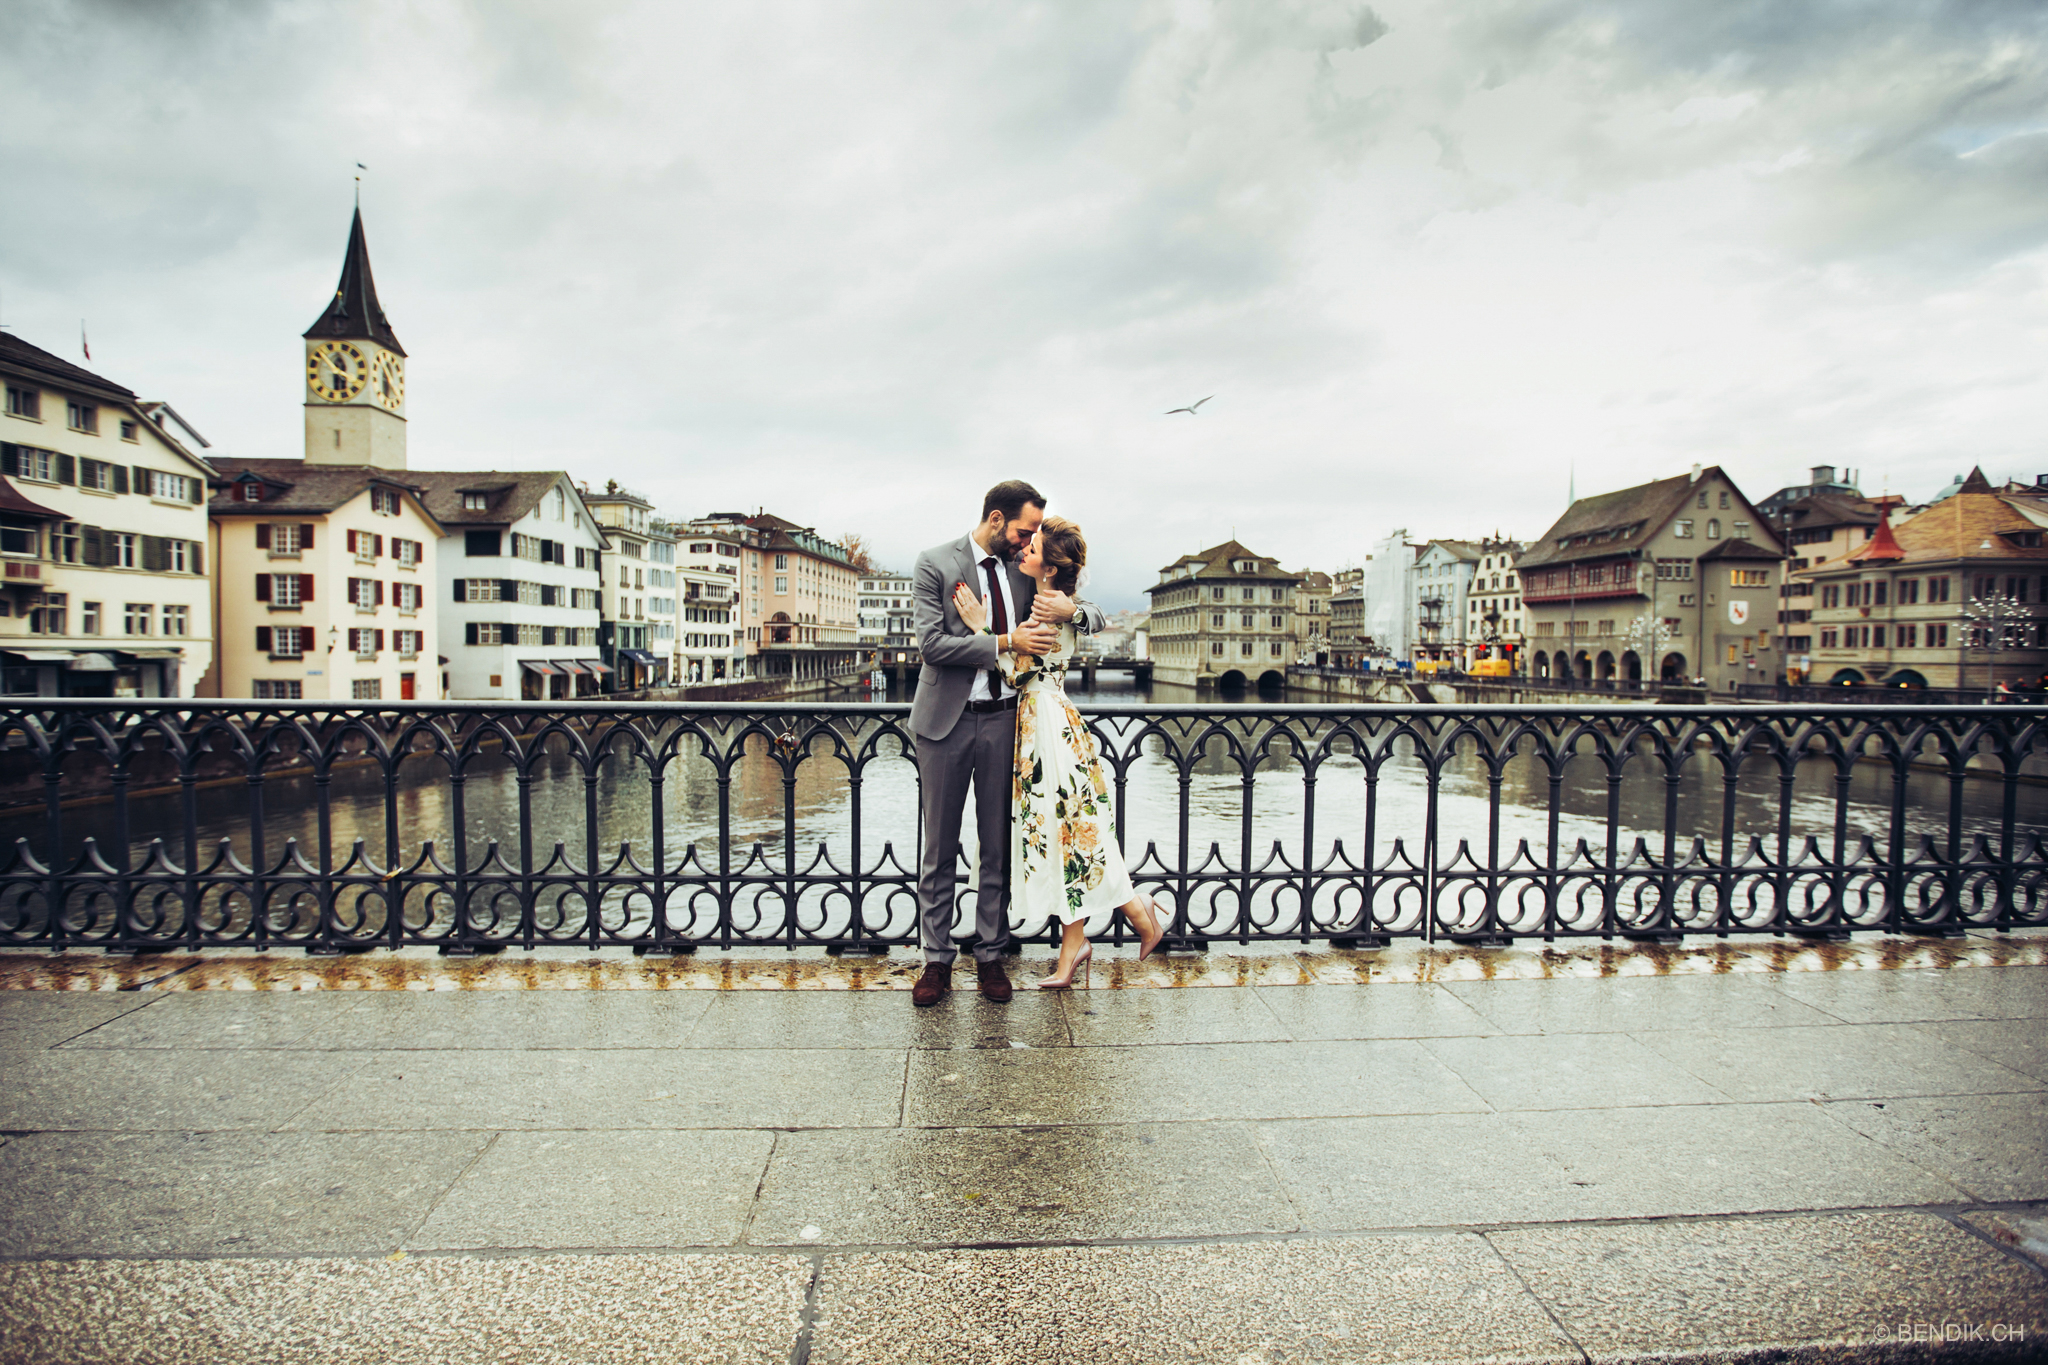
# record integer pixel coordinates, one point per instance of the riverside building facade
(721, 554)
(103, 538)
(1223, 616)
(1672, 580)
(627, 519)
(324, 583)
(1956, 595)
(517, 574)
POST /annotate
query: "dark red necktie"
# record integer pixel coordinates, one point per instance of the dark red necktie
(1000, 619)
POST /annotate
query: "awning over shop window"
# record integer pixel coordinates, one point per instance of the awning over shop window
(13, 500)
(570, 667)
(155, 653)
(540, 666)
(596, 667)
(44, 656)
(93, 663)
(640, 656)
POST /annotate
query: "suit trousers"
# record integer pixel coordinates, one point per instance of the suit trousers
(980, 753)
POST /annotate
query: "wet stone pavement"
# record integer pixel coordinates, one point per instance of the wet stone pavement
(1714, 1152)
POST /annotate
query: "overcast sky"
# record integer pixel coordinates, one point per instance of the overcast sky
(854, 262)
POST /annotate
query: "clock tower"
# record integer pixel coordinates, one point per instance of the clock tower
(355, 372)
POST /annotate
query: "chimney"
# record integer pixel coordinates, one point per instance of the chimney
(1695, 473)
(1823, 473)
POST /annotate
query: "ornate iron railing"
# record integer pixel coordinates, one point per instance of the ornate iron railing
(1632, 821)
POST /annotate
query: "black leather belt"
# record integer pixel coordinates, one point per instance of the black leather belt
(983, 708)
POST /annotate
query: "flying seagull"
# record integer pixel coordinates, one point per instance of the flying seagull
(1189, 409)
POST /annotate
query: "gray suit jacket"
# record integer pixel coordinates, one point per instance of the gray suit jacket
(952, 652)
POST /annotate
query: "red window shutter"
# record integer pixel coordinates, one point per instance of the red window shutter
(262, 535)
(380, 592)
(263, 587)
(380, 641)
(306, 537)
(305, 587)
(263, 639)
(380, 543)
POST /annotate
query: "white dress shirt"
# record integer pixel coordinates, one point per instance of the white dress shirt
(979, 692)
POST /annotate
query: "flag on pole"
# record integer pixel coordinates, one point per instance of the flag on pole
(83, 344)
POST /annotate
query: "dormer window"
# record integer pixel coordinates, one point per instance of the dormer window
(475, 502)
(384, 501)
(249, 490)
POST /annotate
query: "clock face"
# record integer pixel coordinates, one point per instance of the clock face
(388, 384)
(336, 371)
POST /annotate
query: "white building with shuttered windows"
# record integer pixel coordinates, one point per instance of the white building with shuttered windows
(103, 563)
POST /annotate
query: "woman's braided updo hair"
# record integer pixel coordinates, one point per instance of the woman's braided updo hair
(1061, 545)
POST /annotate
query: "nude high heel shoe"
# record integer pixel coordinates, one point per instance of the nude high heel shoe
(1153, 936)
(1081, 964)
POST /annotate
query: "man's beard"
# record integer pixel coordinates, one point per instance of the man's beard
(1007, 552)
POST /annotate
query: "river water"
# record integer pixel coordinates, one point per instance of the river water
(1217, 795)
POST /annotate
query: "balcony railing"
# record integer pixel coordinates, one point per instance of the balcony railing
(482, 826)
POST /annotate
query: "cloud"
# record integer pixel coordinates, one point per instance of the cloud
(857, 261)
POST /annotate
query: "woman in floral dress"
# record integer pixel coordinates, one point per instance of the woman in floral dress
(1064, 863)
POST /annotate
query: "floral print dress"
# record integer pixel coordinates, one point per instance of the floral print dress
(1064, 859)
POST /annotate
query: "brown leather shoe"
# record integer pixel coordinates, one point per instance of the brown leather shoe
(995, 984)
(933, 985)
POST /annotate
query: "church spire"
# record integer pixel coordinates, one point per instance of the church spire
(354, 313)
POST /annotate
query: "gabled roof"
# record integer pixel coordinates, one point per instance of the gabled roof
(34, 361)
(508, 495)
(1826, 507)
(1468, 551)
(1621, 520)
(1610, 524)
(19, 358)
(1215, 562)
(354, 313)
(293, 487)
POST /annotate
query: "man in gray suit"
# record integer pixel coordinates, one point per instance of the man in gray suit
(965, 720)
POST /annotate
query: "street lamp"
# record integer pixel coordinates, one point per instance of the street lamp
(1985, 621)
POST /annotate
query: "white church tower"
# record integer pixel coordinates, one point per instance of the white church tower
(355, 372)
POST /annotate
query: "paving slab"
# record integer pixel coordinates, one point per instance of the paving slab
(177, 1091)
(33, 1020)
(552, 1310)
(1810, 1287)
(1866, 1061)
(877, 1019)
(1415, 1170)
(671, 1088)
(1180, 1084)
(1881, 997)
(1353, 1300)
(154, 1194)
(519, 1020)
(1720, 1159)
(1993, 1146)
(2021, 1044)
(587, 1190)
(213, 1020)
(1019, 1185)
(1137, 1018)
(1568, 1071)
(1626, 1004)
(1388, 1010)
